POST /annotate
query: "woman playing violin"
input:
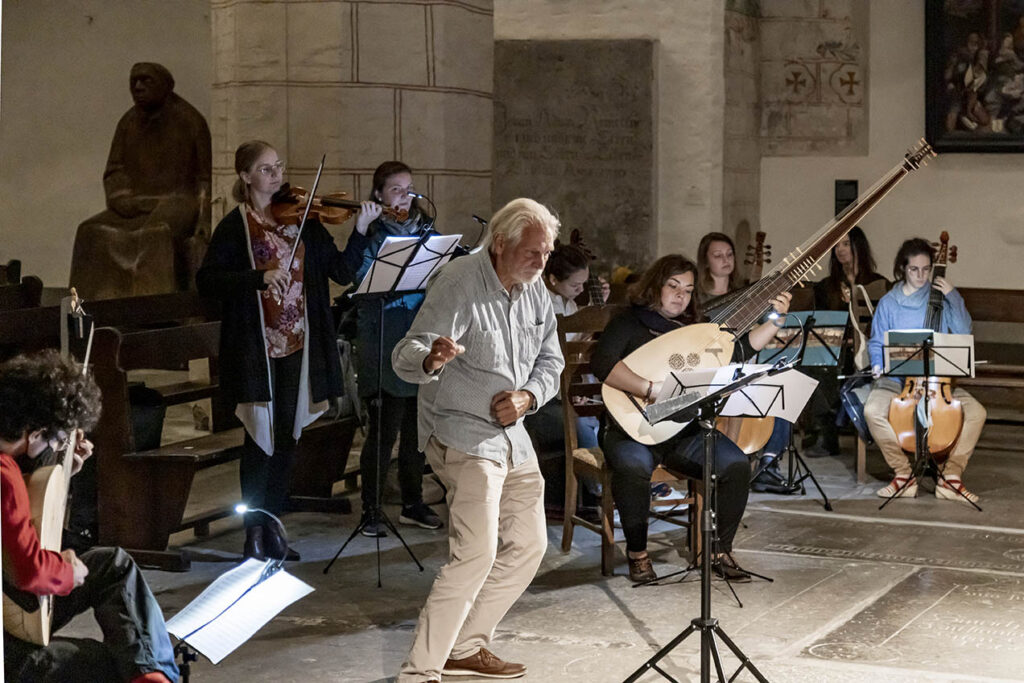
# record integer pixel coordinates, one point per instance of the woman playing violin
(279, 360)
(389, 212)
(662, 300)
(905, 306)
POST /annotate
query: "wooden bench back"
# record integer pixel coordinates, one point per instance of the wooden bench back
(580, 392)
(21, 295)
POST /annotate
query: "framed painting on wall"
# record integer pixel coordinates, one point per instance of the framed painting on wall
(974, 70)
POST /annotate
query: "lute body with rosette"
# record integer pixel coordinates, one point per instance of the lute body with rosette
(709, 345)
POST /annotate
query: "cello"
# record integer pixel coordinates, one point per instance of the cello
(709, 345)
(947, 413)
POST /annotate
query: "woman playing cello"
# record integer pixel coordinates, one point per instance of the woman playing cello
(905, 306)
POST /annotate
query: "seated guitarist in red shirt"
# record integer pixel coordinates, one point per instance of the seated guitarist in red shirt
(42, 399)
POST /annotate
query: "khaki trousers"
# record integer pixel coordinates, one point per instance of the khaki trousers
(876, 413)
(496, 540)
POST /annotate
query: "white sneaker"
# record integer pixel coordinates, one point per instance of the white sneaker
(909, 491)
(951, 488)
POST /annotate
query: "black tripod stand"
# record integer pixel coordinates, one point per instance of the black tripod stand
(377, 512)
(924, 460)
(798, 471)
(705, 624)
(707, 410)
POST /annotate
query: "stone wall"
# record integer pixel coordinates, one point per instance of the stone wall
(689, 36)
(814, 56)
(574, 130)
(361, 82)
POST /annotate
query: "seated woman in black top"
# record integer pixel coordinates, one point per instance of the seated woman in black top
(662, 300)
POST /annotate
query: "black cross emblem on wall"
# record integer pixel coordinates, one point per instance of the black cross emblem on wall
(850, 82)
(796, 81)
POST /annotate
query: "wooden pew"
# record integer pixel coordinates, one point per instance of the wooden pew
(21, 295)
(142, 494)
(31, 329)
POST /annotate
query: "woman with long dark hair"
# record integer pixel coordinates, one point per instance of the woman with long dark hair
(662, 301)
(851, 263)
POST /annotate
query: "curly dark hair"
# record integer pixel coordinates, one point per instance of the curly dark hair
(44, 392)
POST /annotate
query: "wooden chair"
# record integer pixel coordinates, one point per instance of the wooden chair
(581, 398)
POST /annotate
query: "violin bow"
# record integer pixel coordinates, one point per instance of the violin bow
(305, 214)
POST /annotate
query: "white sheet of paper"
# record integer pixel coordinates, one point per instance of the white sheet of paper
(236, 614)
(391, 256)
(433, 254)
(783, 395)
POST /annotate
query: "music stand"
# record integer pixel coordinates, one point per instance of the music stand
(823, 333)
(402, 266)
(707, 402)
(783, 396)
(925, 353)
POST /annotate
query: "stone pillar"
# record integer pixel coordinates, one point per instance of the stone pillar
(363, 82)
(741, 150)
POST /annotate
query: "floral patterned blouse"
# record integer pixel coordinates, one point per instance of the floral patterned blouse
(283, 319)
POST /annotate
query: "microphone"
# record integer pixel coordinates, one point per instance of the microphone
(417, 195)
(479, 220)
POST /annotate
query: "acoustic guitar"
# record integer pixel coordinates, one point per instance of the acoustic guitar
(48, 494)
(708, 345)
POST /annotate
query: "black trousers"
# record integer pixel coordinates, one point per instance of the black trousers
(398, 420)
(264, 479)
(135, 637)
(633, 463)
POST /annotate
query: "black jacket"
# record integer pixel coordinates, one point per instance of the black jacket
(227, 274)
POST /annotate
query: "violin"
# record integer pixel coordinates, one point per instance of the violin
(947, 413)
(289, 204)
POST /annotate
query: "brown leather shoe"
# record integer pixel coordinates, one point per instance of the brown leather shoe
(483, 664)
(641, 569)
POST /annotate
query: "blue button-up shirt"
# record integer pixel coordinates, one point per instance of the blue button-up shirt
(511, 344)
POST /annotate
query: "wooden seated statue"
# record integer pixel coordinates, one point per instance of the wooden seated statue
(152, 235)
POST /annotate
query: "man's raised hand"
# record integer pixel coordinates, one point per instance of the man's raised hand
(441, 351)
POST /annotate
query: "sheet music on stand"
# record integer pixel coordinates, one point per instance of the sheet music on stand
(951, 355)
(780, 395)
(236, 605)
(406, 263)
(824, 341)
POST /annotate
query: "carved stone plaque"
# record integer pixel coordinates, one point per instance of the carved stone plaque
(574, 129)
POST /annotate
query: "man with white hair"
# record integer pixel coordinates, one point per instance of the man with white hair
(485, 352)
